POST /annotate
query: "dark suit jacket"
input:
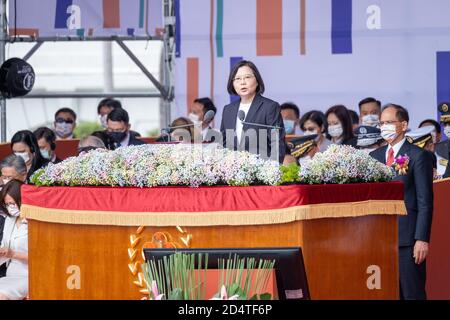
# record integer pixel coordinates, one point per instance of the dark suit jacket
(134, 141)
(447, 170)
(350, 142)
(262, 111)
(418, 193)
(443, 149)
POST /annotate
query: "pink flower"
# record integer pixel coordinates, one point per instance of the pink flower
(401, 164)
(401, 160)
(224, 295)
(155, 293)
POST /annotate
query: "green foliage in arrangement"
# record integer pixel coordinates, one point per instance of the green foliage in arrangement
(85, 128)
(182, 276)
(290, 173)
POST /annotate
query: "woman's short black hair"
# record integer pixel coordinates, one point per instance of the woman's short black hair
(230, 87)
(12, 188)
(316, 116)
(27, 137)
(47, 134)
(354, 116)
(343, 115)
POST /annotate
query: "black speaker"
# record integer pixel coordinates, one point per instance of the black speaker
(16, 78)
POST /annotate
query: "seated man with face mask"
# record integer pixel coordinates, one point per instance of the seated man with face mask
(368, 138)
(291, 117)
(119, 129)
(65, 123)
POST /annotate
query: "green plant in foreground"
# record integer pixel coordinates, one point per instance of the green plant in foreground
(85, 128)
(290, 173)
(182, 276)
(176, 276)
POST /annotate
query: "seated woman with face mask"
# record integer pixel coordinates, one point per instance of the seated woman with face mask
(340, 126)
(14, 245)
(24, 144)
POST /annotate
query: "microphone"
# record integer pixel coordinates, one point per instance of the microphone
(166, 131)
(209, 115)
(241, 116)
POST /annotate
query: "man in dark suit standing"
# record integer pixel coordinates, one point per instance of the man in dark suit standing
(414, 228)
(259, 113)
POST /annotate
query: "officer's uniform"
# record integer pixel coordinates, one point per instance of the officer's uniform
(368, 138)
(422, 137)
(442, 149)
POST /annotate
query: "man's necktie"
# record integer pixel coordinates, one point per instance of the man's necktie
(390, 157)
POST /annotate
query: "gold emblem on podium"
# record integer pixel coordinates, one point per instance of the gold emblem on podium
(161, 239)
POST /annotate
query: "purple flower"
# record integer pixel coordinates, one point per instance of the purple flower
(401, 160)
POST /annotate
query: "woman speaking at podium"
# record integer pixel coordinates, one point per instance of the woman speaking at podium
(253, 123)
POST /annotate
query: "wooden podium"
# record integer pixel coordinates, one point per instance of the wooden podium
(438, 261)
(349, 247)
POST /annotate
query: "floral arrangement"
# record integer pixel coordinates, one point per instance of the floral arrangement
(290, 173)
(344, 164)
(161, 165)
(401, 164)
(182, 276)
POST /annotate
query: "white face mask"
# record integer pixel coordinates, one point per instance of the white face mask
(371, 120)
(104, 121)
(304, 160)
(309, 133)
(194, 118)
(335, 131)
(447, 131)
(63, 129)
(388, 132)
(13, 210)
(24, 155)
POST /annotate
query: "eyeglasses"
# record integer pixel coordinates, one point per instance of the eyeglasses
(382, 123)
(246, 77)
(61, 120)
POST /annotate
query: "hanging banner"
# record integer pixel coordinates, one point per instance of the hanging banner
(85, 18)
(317, 53)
